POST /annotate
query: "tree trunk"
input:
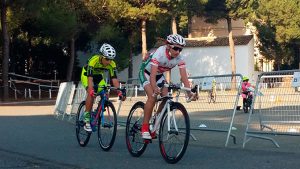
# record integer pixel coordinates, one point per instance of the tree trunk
(130, 69)
(174, 31)
(72, 58)
(174, 26)
(5, 50)
(232, 52)
(189, 25)
(144, 40)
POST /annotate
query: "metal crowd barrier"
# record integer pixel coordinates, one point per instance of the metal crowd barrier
(65, 94)
(215, 115)
(79, 96)
(135, 93)
(276, 108)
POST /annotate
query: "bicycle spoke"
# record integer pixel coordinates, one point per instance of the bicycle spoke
(82, 136)
(135, 143)
(107, 127)
(173, 143)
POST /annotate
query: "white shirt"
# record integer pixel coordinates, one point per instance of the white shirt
(163, 60)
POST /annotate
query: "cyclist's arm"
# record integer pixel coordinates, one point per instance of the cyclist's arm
(185, 80)
(90, 70)
(184, 77)
(115, 82)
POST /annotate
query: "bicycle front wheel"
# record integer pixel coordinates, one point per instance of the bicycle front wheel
(173, 143)
(134, 141)
(83, 136)
(107, 126)
(209, 97)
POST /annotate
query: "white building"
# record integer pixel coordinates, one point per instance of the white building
(210, 56)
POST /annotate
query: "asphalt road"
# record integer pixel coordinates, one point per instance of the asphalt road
(36, 139)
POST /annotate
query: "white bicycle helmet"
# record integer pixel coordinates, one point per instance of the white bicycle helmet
(176, 39)
(108, 51)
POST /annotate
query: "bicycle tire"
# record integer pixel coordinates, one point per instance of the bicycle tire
(134, 141)
(209, 97)
(248, 105)
(246, 109)
(82, 136)
(170, 153)
(107, 129)
(214, 97)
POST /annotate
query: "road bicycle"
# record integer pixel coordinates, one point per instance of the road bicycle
(103, 120)
(212, 96)
(172, 125)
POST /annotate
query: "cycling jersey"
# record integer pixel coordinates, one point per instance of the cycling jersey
(163, 61)
(95, 69)
(245, 86)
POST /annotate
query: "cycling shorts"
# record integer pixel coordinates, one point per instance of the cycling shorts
(144, 77)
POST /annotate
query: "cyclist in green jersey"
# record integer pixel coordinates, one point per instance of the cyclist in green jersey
(92, 76)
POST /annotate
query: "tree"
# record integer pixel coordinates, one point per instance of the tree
(278, 26)
(228, 10)
(140, 11)
(5, 49)
(59, 21)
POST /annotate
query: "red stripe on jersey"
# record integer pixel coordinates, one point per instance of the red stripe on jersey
(155, 61)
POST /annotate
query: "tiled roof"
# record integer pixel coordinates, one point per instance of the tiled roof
(217, 41)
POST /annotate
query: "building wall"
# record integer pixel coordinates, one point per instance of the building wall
(203, 61)
(216, 61)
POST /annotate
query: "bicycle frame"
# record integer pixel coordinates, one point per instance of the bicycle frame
(170, 113)
(100, 107)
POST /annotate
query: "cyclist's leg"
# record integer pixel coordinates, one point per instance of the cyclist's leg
(164, 92)
(148, 111)
(88, 103)
(144, 78)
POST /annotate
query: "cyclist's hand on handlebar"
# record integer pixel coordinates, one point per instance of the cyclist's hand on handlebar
(121, 96)
(92, 92)
(192, 97)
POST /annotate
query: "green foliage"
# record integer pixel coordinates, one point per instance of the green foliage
(278, 28)
(283, 15)
(234, 9)
(135, 10)
(57, 22)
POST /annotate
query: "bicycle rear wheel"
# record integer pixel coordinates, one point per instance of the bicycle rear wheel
(173, 143)
(134, 141)
(107, 127)
(83, 136)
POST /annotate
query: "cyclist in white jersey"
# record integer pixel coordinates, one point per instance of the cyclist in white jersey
(151, 72)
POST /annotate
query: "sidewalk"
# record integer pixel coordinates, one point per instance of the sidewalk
(27, 108)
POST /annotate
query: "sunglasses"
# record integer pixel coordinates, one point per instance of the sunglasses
(176, 48)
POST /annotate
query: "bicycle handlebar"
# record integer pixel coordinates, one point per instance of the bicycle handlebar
(123, 89)
(177, 87)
